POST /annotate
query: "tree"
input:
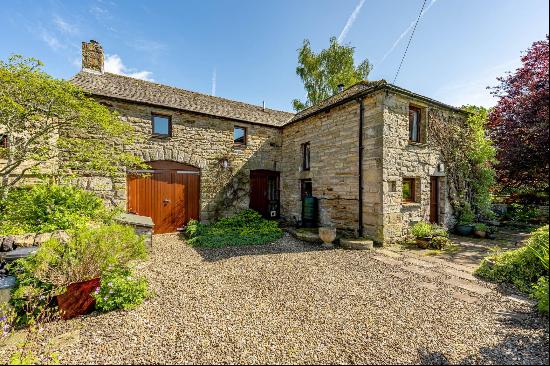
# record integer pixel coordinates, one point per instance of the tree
(322, 73)
(519, 122)
(51, 127)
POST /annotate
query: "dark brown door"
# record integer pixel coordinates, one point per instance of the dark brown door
(434, 200)
(168, 193)
(264, 193)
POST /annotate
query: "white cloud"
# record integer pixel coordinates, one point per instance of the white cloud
(63, 26)
(475, 91)
(114, 64)
(350, 21)
(51, 40)
(405, 32)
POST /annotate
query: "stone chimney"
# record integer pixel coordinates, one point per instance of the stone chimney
(92, 56)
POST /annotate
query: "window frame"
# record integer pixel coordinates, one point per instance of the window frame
(418, 125)
(245, 137)
(306, 156)
(303, 182)
(169, 134)
(412, 182)
(4, 141)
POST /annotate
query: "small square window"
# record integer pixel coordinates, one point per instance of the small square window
(305, 156)
(3, 141)
(415, 121)
(239, 135)
(409, 190)
(162, 125)
(306, 188)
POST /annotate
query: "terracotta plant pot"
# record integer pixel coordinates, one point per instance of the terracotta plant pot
(327, 235)
(78, 300)
(480, 234)
(423, 242)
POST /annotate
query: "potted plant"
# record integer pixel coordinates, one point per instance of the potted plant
(423, 233)
(465, 218)
(72, 270)
(480, 230)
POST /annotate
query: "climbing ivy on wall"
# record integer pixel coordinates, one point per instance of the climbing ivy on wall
(469, 157)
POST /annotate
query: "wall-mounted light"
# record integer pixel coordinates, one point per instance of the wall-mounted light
(440, 167)
(225, 164)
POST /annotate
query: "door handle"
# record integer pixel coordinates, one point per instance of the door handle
(166, 200)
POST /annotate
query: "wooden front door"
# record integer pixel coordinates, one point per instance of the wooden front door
(264, 193)
(434, 200)
(168, 193)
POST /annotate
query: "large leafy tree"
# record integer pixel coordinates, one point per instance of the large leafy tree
(322, 72)
(519, 123)
(49, 126)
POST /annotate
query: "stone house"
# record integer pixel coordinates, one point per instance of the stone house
(364, 153)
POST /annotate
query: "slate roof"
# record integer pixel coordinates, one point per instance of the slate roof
(363, 88)
(141, 91)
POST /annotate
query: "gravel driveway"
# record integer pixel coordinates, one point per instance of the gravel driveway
(291, 302)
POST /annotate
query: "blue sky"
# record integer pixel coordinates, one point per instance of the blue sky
(247, 50)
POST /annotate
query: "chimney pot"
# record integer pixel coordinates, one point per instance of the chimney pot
(92, 56)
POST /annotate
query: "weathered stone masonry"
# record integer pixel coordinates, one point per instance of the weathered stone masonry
(203, 142)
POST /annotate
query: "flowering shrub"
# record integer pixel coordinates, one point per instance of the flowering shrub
(120, 289)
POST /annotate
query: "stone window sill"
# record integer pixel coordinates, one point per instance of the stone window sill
(161, 137)
(411, 204)
(417, 144)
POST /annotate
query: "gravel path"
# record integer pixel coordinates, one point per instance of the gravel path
(291, 302)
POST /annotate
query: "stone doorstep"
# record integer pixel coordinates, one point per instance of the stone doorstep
(357, 244)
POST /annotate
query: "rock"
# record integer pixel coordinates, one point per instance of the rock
(61, 235)
(42, 238)
(357, 244)
(24, 240)
(6, 243)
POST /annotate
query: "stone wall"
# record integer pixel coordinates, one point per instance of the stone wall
(203, 142)
(403, 159)
(333, 138)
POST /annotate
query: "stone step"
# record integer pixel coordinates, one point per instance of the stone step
(389, 253)
(357, 244)
(386, 260)
(421, 271)
(463, 297)
(419, 262)
(469, 286)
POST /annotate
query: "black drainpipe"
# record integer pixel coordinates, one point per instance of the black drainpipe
(361, 110)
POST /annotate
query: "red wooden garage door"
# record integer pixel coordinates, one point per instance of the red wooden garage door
(168, 193)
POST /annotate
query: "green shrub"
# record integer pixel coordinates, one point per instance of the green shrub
(522, 213)
(522, 267)
(49, 207)
(540, 293)
(480, 227)
(422, 230)
(465, 214)
(120, 289)
(90, 252)
(245, 228)
(439, 242)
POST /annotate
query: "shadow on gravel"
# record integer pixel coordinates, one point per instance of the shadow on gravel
(284, 245)
(514, 349)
